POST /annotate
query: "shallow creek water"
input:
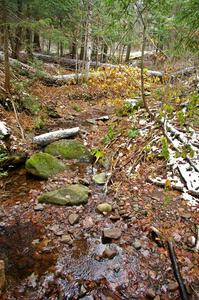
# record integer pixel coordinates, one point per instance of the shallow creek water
(40, 266)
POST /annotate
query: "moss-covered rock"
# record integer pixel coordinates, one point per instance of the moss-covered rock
(104, 207)
(69, 149)
(74, 194)
(100, 178)
(44, 165)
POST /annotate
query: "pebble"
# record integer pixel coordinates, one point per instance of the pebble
(172, 286)
(112, 233)
(73, 219)
(109, 253)
(114, 217)
(104, 207)
(38, 207)
(137, 245)
(66, 239)
(136, 207)
(89, 297)
(56, 230)
(157, 297)
(122, 212)
(150, 293)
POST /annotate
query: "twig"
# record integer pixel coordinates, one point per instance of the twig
(176, 271)
(197, 239)
(17, 119)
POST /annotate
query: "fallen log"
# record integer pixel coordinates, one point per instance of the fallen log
(176, 271)
(69, 63)
(53, 136)
(72, 63)
(19, 66)
(183, 72)
(68, 78)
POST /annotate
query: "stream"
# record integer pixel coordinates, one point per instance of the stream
(40, 264)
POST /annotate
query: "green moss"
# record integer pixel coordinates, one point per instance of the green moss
(44, 165)
(69, 149)
(74, 194)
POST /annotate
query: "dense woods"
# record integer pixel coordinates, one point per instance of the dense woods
(99, 149)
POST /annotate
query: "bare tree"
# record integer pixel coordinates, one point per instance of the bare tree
(6, 45)
(140, 13)
(88, 39)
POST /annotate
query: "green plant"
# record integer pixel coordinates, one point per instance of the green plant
(31, 103)
(3, 157)
(39, 122)
(98, 154)
(165, 148)
(127, 109)
(133, 133)
(181, 117)
(76, 107)
(110, 135)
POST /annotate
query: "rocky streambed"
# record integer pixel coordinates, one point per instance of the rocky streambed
(63, 237)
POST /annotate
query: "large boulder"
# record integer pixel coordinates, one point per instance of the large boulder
(72, 194)
(69, 149)
(43, 165)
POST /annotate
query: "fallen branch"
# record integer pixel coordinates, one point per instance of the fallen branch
(50, 137)
(197, 239)
(176, 271)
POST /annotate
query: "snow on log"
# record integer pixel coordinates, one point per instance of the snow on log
(26, 69)
(155, 73)
(4, 130)
(68, 78)
(50, 137)
(183, 72)
(185, 168)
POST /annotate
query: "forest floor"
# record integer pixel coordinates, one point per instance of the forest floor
(48, 258)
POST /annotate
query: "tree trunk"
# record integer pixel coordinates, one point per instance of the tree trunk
(29, 37)
(122, 53)
(17, 43)
(6, 50)
(88, 42)
(73, 50)
(142, 68)
(128, 53)
(61, 49)
(105, 52)
(36, 43)
(81, 56)
(49, 45)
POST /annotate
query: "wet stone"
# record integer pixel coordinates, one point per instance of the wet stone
(122, 212)
(87, 298)
(150, 293)
(66, 239)
(137, 245)
(104, 207)
(38, 207)
(73, 219)
(114, 217)
(112, 233)
(136, 207)
(109, 253)
(172, 286)
(56, 230)
(100, 178)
